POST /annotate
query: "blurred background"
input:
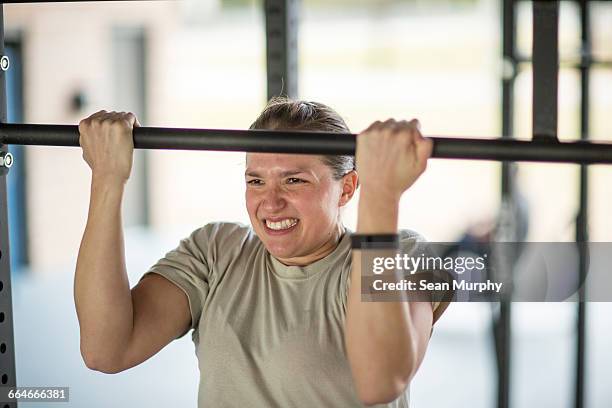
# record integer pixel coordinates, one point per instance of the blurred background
(202, 63)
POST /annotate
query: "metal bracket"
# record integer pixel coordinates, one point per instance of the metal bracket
(6, 161)
(5, 63)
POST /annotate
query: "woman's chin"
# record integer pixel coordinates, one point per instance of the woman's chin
(282, 252)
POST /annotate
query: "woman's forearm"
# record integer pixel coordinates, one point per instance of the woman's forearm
(380, 349)
(101, 288)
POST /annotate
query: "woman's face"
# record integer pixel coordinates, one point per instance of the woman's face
(293, 203)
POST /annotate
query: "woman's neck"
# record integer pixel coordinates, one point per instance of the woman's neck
(325, 249)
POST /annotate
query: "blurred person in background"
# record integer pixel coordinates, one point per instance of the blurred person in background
(275, 307)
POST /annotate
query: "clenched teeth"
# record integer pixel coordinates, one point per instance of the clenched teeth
(281, 225)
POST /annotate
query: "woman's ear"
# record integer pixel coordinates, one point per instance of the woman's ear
(350, 182)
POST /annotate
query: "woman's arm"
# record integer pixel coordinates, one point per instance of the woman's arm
(101, 288)
(385, 341)
(119, 327)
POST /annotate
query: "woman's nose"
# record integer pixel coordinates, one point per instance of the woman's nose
(273, 199)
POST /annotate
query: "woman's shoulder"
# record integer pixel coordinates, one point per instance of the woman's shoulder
(220, 243)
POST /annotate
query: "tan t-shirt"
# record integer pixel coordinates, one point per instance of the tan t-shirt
(266, 334)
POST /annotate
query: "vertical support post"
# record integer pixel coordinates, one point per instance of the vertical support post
(502, 321)
(545, 58)
(282, 17)
(16, 181)
(582, 234)
(7, 342)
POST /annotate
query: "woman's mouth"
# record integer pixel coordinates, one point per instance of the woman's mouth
(282, 226)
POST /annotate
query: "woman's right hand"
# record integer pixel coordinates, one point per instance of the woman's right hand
(108, 144)
(391, 156)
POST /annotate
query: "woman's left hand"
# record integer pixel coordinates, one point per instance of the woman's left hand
(391, 156)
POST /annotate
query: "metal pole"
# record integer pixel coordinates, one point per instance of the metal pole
(502, 328)
(545, 68)
(297, 142)
(281, 47)
(582, 232)
(8, 375)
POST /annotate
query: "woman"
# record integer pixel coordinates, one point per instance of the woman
(276, 307)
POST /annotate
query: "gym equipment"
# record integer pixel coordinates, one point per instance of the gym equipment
(274, 141)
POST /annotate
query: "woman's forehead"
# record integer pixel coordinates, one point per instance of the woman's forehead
(283, 162)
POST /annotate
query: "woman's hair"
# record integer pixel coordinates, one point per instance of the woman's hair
(283, 113)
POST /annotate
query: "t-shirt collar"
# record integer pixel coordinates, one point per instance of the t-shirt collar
(307, 271)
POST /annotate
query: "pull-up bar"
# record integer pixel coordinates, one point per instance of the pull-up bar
(274, 141)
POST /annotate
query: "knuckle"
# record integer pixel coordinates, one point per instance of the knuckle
(389, 124)
(375, 125)
(403, 123)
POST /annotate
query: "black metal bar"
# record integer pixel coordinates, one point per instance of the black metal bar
(281, 47)
(508, 79)
(582, 232)
(7, 338)
(274, 141)
(545, 68)
(502, 321)
(510, 66)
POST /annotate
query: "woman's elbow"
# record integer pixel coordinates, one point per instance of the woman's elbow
(101, 364)
(383, 383)
(382, 392)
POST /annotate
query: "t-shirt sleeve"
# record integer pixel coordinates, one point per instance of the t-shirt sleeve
(188, 268)
(413, 243)
(410, 242)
